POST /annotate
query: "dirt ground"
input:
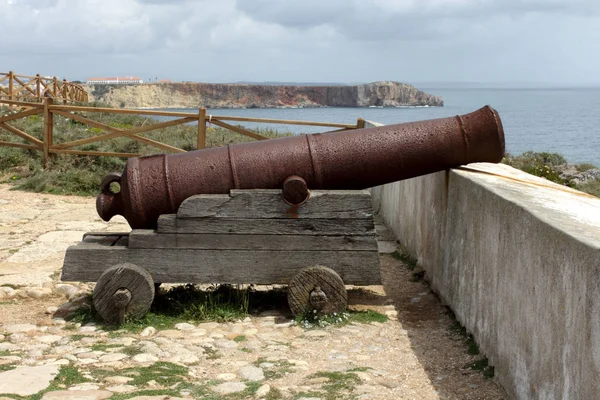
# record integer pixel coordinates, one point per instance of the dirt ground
(426, 356)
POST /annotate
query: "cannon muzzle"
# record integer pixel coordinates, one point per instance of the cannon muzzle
(351, 159)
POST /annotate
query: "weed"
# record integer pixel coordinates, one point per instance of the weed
(211, 353)
(10, 285)
(13, 251)
(278, 370)
(132, 350)
(104, 346)
(315, 320)
(75, 338)
(338, 384)
(483, 366)
(404, 256)
(240, 338)
(8, 366)
(591, 187)
(222, 303)
(164, 373)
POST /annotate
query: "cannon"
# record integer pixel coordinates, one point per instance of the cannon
(351, 159)
(293, 211)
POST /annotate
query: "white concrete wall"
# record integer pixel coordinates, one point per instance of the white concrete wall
(517, 258)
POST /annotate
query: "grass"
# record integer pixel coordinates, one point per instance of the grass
(471, 347)
(315, 320)
(104, 346)
(550, 166)
(339, 385)
(188, 303)
(81, 175)
(164, 373)
(279, 369)
(483, 366)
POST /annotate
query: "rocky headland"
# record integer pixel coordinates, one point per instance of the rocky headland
(191, 95)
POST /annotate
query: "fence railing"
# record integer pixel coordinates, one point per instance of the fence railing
(36, 88)
(48, 109)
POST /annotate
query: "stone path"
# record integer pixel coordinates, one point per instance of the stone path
(414, 355)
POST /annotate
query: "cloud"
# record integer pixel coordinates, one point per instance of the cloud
(331, 40)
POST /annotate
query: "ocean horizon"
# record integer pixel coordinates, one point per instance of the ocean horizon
(559, 120)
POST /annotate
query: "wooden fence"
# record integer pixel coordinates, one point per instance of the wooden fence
(36, 88)
(48, 109)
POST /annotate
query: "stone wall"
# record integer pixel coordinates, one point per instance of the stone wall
(517, 258)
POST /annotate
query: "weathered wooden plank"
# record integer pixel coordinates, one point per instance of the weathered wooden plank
(261, 203)
(149, 239)
(86, 262)
(169, 223)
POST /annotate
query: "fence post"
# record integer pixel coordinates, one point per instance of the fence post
(10, 85)
(48, 124)
(201, 128)
(65, 91)
(38, 87)
(54, 87)
(360, 123)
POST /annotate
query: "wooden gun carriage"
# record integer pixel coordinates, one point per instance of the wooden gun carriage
(283, 211)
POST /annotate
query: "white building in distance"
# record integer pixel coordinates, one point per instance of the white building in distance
(125, 80)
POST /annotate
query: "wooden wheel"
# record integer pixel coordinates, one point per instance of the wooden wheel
(317, 288)
(123, 290)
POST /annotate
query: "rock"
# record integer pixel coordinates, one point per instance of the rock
(148, 331)
(18, 338)
(8, 292)
(9, 347)
(160, 397)
(208, 325)
(18, 328)
(49, 339)
(229, 387)
(118, 380)
(298, 362)
(316, 334)
(171, 333)
(38, 293)
(51, 310)
(121, 388)
(251, 373)
(26, 381)
(35, 353)
(66, 289)
(263, 391)
(226, 344)
(250, 332)
(113, 357)
(226, 377)
(77, 395)
(87, 329)
(145, 358)
(184, 326)
(85, 386)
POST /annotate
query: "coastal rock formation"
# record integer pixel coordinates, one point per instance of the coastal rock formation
(185, 95)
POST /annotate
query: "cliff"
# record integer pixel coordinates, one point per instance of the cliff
(191, 95)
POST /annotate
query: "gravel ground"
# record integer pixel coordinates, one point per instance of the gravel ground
(417, 354)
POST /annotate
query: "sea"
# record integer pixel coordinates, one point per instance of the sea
(560, 120)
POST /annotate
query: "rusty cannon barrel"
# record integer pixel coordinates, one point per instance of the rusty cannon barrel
(350, 159)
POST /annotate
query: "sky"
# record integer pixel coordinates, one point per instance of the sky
(346, 41)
